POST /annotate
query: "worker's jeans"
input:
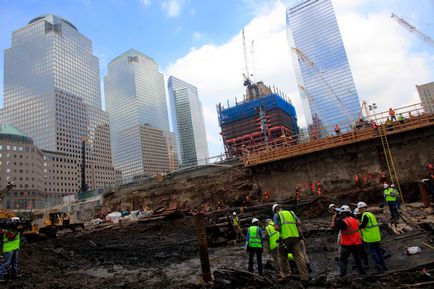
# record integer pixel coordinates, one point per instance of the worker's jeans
(275, 254)
(293, 245)
(377, 255)
(258, 252)
(393, 210)
(9, 258)
(346, 250)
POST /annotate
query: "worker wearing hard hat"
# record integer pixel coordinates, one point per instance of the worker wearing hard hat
(11, 246)
(254, 245)
(285, 222)
(272, 236)
(236, 226)
(363, 255)
(371, 235)
(390, 195)
(350, 240)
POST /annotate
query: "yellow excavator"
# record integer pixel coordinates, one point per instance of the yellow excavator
(29, 230)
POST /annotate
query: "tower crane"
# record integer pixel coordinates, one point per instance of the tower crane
(414, 30)
(309, 63)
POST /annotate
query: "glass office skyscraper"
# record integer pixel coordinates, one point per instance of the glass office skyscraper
(187, 122)
(136, 101)
(52, 93)
(323, 73)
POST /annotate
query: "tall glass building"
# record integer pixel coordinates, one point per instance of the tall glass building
(187, 122)
(136, 102)
(322, 70)
(52, 93)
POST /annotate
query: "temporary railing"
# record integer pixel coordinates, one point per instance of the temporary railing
(413, 116)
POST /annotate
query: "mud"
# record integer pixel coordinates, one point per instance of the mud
(164, 254)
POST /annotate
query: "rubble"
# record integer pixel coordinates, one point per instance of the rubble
(160, 250)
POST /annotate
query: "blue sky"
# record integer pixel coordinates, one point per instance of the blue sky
(199, 41)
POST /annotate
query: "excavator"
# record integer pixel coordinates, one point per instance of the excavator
(29, 230)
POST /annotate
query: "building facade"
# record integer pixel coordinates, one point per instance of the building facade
(136, 102)
(52, 93)
(426, 94)
(187, 122)
(42, 177)
(323, 73)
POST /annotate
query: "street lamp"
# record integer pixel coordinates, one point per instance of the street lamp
(373, 107)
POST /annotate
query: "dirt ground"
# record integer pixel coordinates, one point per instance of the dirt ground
(164, 254)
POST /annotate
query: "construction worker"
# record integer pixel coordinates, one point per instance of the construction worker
(363, 255)
(350, 240)
(236, 225)
(389, 124)
(337, 130)
(401, 118)
(371, 235)
(254, 245)
(11, 246)
(392, 114)
(272, 237)
(285, 222)
(396, 192)
(390, 197)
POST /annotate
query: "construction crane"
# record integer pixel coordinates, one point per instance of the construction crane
(309, 63)
(414, 30)
(246, 75)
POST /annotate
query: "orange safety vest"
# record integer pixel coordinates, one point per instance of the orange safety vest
(351, 236)
(391, 112)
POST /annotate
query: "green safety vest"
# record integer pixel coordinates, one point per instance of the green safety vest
(254, 238)
(387, 195)
(371, 233)
(290, 257)
(273, 236)
(11, 245)
(288, 225)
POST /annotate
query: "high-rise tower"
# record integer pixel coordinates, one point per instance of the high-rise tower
(187, 122)
(136, 101)
(52, 93)
(322, 70)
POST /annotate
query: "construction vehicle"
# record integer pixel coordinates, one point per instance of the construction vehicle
(29, 230)
(58, 222)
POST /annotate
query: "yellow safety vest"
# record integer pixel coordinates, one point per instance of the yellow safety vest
(11, 245)
(371, 233)
(235, 221)
(388, 196)
(254, 238)
(273, 236)
(288, 225)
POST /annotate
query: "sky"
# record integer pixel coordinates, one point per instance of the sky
(200, 42)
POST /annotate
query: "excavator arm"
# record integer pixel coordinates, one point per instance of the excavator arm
(7, 189)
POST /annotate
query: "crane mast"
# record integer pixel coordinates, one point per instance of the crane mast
(414, 30)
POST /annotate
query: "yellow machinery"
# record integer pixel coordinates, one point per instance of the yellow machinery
(57, 222)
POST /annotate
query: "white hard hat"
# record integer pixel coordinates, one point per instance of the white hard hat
(345, 208)
(234, 213)
(254, 220)
(386, 186)
(275, 206)
(356, 211)
(331, 206)
(15, 219)
(392, 185)
(361, 205)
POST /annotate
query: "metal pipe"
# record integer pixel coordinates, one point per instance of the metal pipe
(203, 247)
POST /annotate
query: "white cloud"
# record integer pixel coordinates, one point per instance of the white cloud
(384, 68)
(146, 3)
(197, 35)
(172, 7)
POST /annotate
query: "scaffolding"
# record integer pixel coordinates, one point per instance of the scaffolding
(252, 122)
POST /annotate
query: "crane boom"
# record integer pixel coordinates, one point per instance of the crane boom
(246, 67)
(414, 30)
